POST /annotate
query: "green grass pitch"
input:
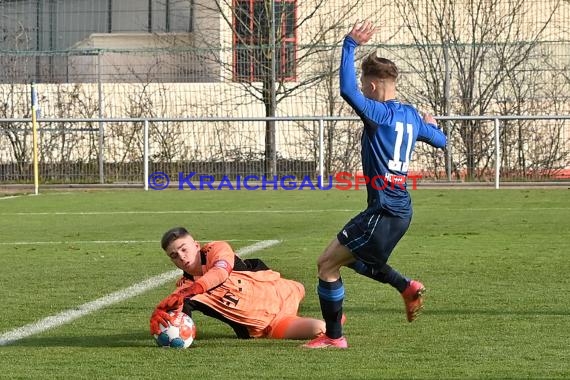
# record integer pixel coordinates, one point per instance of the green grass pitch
(495, 264)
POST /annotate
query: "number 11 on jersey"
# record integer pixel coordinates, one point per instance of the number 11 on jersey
(396, 163)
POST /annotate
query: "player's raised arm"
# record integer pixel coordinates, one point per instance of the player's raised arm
(360, 34)
(366, 102)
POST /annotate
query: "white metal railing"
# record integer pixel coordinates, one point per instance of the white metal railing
(320, 135)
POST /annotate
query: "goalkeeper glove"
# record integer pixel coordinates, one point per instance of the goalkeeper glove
(175, 301)
(158, 317)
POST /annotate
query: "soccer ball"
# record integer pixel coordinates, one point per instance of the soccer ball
(180, 333)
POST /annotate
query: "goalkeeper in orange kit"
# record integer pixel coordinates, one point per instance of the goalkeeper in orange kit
(252, 299)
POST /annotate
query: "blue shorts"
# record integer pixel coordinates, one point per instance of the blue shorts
(372, 235)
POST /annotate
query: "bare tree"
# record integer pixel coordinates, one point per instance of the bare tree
(261, 39)
(535, 147)
(468, 51)
(13, 104)
(65, 145)
(340, 137)
(14, 98)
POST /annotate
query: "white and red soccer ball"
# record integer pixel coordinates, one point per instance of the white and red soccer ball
(180, 333)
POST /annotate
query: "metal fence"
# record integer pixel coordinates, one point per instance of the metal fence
(202, 74)
(122, 151)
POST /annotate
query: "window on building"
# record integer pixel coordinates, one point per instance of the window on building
(51, 28)
(252, 38)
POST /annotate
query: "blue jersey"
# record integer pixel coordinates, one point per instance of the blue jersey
(391, 130)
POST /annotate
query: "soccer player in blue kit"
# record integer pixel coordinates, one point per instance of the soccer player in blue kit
(391, 129)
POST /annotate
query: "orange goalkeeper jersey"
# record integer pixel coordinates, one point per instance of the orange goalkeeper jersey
(254, 299)
(252, 295)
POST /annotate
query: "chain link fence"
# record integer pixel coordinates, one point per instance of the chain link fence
(158, 60)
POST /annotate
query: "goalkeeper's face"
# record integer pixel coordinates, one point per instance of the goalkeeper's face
(185, 254)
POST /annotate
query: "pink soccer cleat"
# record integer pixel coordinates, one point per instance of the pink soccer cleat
(323, 341)
(413, 298)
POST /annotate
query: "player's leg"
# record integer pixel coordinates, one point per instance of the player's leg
(385, 274)
(295, 327)
(331, 288)
(372, 256)
(389, 232)
(331, 294)
(411, 290)
(372, 238)
(287, 324)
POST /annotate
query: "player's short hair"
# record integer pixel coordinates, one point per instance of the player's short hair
(171, 235)
(378, 67)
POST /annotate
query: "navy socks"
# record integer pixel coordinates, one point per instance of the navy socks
(331, 296)
(386, 275)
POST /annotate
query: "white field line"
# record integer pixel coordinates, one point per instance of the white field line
(9, 197)
(522, 209)
(106, 242)
(32, 213)
(110, 299)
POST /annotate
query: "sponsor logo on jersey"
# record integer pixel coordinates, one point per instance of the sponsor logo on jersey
(222, 264)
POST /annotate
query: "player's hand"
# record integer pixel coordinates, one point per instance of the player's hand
(158, 317)
(362, 32)
(429, 119)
